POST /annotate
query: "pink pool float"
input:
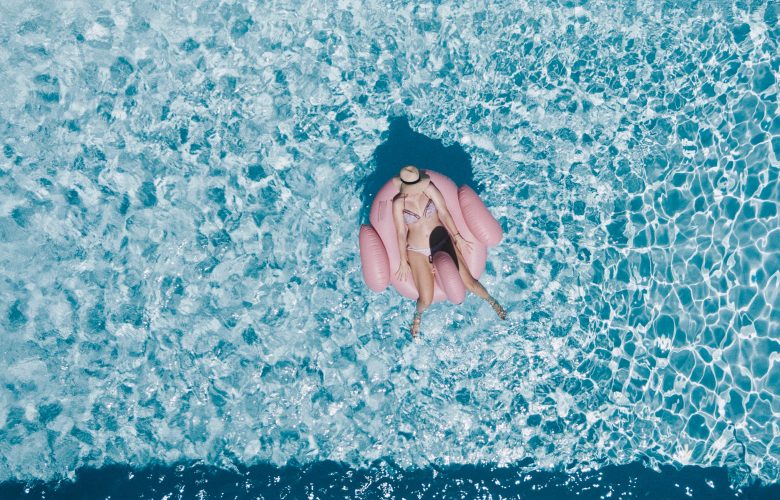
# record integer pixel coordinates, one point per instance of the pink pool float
(379, 253)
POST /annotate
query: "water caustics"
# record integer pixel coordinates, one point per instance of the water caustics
(180, 202)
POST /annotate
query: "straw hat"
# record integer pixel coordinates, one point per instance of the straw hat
(411, 181)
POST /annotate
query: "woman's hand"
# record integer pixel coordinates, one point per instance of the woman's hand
(403, 271)
(463, 244)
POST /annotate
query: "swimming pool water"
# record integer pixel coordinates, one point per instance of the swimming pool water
(180, 198)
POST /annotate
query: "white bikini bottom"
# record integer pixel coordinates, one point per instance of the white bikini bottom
(428, 252)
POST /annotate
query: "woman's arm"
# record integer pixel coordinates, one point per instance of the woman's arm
(446, 218)
(441, 207)
(400, 228)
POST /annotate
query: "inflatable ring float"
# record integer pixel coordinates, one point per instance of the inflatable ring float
(380, 256)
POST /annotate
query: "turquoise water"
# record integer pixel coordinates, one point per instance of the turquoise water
(180, 198)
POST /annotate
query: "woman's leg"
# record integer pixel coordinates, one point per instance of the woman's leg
(475, 287)
(422, 273)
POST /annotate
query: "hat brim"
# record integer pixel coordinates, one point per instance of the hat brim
(417, 187)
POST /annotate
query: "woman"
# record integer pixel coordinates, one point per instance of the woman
(425, 226)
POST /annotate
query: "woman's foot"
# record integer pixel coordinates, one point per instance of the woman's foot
(500, 311)
(416, 324)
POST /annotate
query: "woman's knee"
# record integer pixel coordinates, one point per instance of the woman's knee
(469, 282)
(425, 300)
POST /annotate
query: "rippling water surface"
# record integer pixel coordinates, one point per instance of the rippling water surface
(180, 197)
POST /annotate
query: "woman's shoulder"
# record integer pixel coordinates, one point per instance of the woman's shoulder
(431, 189)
